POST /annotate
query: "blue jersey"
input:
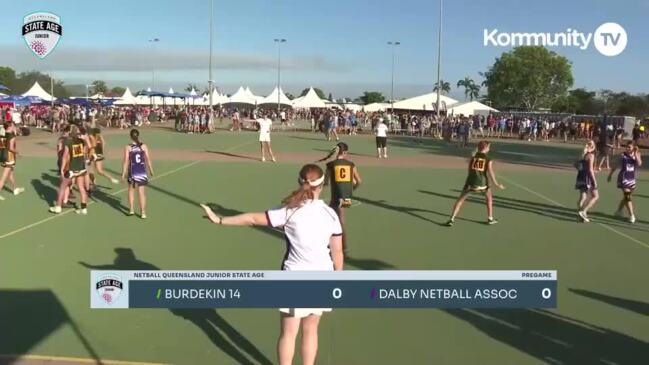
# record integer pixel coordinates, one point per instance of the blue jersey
(626, 177)
(137, 165)
(584, 175)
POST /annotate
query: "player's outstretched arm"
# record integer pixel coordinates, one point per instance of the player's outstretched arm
(245, 219)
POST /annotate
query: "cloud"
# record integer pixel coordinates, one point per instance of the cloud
(126, 59)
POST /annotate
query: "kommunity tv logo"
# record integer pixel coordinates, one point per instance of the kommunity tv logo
(610, 39)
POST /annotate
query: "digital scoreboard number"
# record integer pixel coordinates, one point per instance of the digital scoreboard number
(317, 289)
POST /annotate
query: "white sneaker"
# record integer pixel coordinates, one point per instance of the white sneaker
(18, 191)
(263, 159)
(143, 216)
(584, 217)
(55, 209)
(2, 197)
(114, 181)
(385, 156)
(632, 219)
(83, 211)
(273, 159)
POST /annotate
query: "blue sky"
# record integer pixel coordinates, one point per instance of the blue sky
(337, 45)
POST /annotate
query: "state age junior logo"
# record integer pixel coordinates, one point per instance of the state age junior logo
(42, 32)
(109, 287)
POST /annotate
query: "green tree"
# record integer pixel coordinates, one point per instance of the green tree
(528, 77)
(445, 87)
(99, 86)
(471, 90)
(25, 80)
(191, 87)
(289, 96)
(370, 97)
(8, 78)
(318, 91)
(118, 90)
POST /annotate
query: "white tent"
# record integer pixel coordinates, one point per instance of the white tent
(193, 92)
(310, 100)
(353, 107)
(273, 98)
(470, 108)
(376, 107)
(254, 97)
(241, 97)
(127, 98)
(37, 90)
(425, 102)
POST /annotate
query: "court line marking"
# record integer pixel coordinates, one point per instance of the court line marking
(54, 216)
(645, 245)
(75, 359)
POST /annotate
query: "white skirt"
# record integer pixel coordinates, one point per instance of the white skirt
(304, 312)
(264, 137)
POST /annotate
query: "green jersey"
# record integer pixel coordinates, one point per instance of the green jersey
(77, 156)
(478, 179)
(6, 156)
(341, 178)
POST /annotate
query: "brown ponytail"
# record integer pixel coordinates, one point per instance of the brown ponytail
(309, 174)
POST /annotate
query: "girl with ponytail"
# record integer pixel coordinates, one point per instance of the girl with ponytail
(314, 242)
(586, 182)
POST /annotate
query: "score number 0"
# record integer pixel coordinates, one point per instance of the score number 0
(337, 293)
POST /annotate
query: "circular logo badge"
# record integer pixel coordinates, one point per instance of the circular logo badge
(610, 39)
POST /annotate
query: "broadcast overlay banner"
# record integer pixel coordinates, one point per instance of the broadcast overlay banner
(323, 289)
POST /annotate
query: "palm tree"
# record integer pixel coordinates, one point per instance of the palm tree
(471, 90)
(446, 87)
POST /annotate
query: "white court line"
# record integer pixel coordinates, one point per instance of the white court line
(54, 216)
(563, 206)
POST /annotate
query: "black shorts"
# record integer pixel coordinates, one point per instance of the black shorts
(381, 142)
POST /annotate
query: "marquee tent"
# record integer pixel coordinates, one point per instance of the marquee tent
(127, 98)
(273, 97)
(470, 108)
(376, 107)
(310, 100)
(241, 97)
(37, 90)
(425, 102)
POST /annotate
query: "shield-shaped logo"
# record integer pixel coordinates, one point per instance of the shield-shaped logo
(109, 287)
(42, 32)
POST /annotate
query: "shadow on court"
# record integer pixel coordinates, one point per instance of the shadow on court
(27, 317)
(228, 154)
(47, 193)
(309, 138)
(555, 339)
(216, 328)
(628, 304)
(538, 208)
(413, 212)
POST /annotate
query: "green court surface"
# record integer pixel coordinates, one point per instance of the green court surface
(603, 312)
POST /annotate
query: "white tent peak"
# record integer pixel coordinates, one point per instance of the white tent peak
(127, 98)
(194, 93)
(37, 90)
(425, 102)
(148, 89)
(309, 100)
(171, 90)
(242, 97)
(274, 96)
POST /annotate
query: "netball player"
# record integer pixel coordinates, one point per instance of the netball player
(265, 125)
(8, 154)
(381, 139)
(481, 171)
(313, 235)
(73, 171)
(137, 159)
(586, 182)
(344, 178)
(97, 145)
(630, 160)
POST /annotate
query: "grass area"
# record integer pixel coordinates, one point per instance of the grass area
(603, 301)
